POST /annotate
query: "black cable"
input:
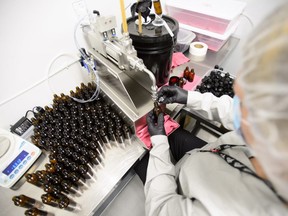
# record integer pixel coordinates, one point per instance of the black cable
(28, 112)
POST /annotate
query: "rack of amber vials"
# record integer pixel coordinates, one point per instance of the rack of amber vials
(75, 136)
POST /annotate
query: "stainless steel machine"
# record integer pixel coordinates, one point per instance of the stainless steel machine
(123, 76)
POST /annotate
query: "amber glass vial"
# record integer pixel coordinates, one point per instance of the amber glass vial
(157, 7)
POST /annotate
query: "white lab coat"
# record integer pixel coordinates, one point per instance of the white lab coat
(202, 183)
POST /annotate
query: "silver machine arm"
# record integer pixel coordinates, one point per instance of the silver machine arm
(123, 76)
(120, 51)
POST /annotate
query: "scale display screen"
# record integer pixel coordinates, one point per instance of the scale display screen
(15, 163)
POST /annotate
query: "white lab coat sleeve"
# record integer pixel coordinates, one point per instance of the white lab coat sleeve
(160, 189)
(211, 107)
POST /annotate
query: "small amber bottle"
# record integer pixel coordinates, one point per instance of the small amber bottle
(157, 7)
(41, 175)
(186, 72)
(25, 201)
(189, 75)
(69, 186)
(157, 109)
(182, 82)
(52, 158)
(36, 212)
(63, 202)
(52, 188)
(50, 168)
(127, 132)
(49, 200)
(56, 98)
(72, 93)
(34, 179)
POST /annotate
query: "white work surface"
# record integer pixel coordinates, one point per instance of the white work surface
(117, 162)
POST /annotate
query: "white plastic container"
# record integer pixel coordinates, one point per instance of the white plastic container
(214, 40)
(211, 15)
(184, 39)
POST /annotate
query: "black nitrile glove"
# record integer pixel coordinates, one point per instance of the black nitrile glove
(172, 94)
(155, 125)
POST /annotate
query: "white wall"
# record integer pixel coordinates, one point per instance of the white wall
(33, 32)
(256, 11)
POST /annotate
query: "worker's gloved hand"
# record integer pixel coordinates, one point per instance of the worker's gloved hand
(155, 125)
(172, 94)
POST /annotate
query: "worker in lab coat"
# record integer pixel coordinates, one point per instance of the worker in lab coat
(245, 172)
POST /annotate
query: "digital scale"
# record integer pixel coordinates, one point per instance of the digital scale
(16, 157)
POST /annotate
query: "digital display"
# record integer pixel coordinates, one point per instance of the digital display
(15, 163)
